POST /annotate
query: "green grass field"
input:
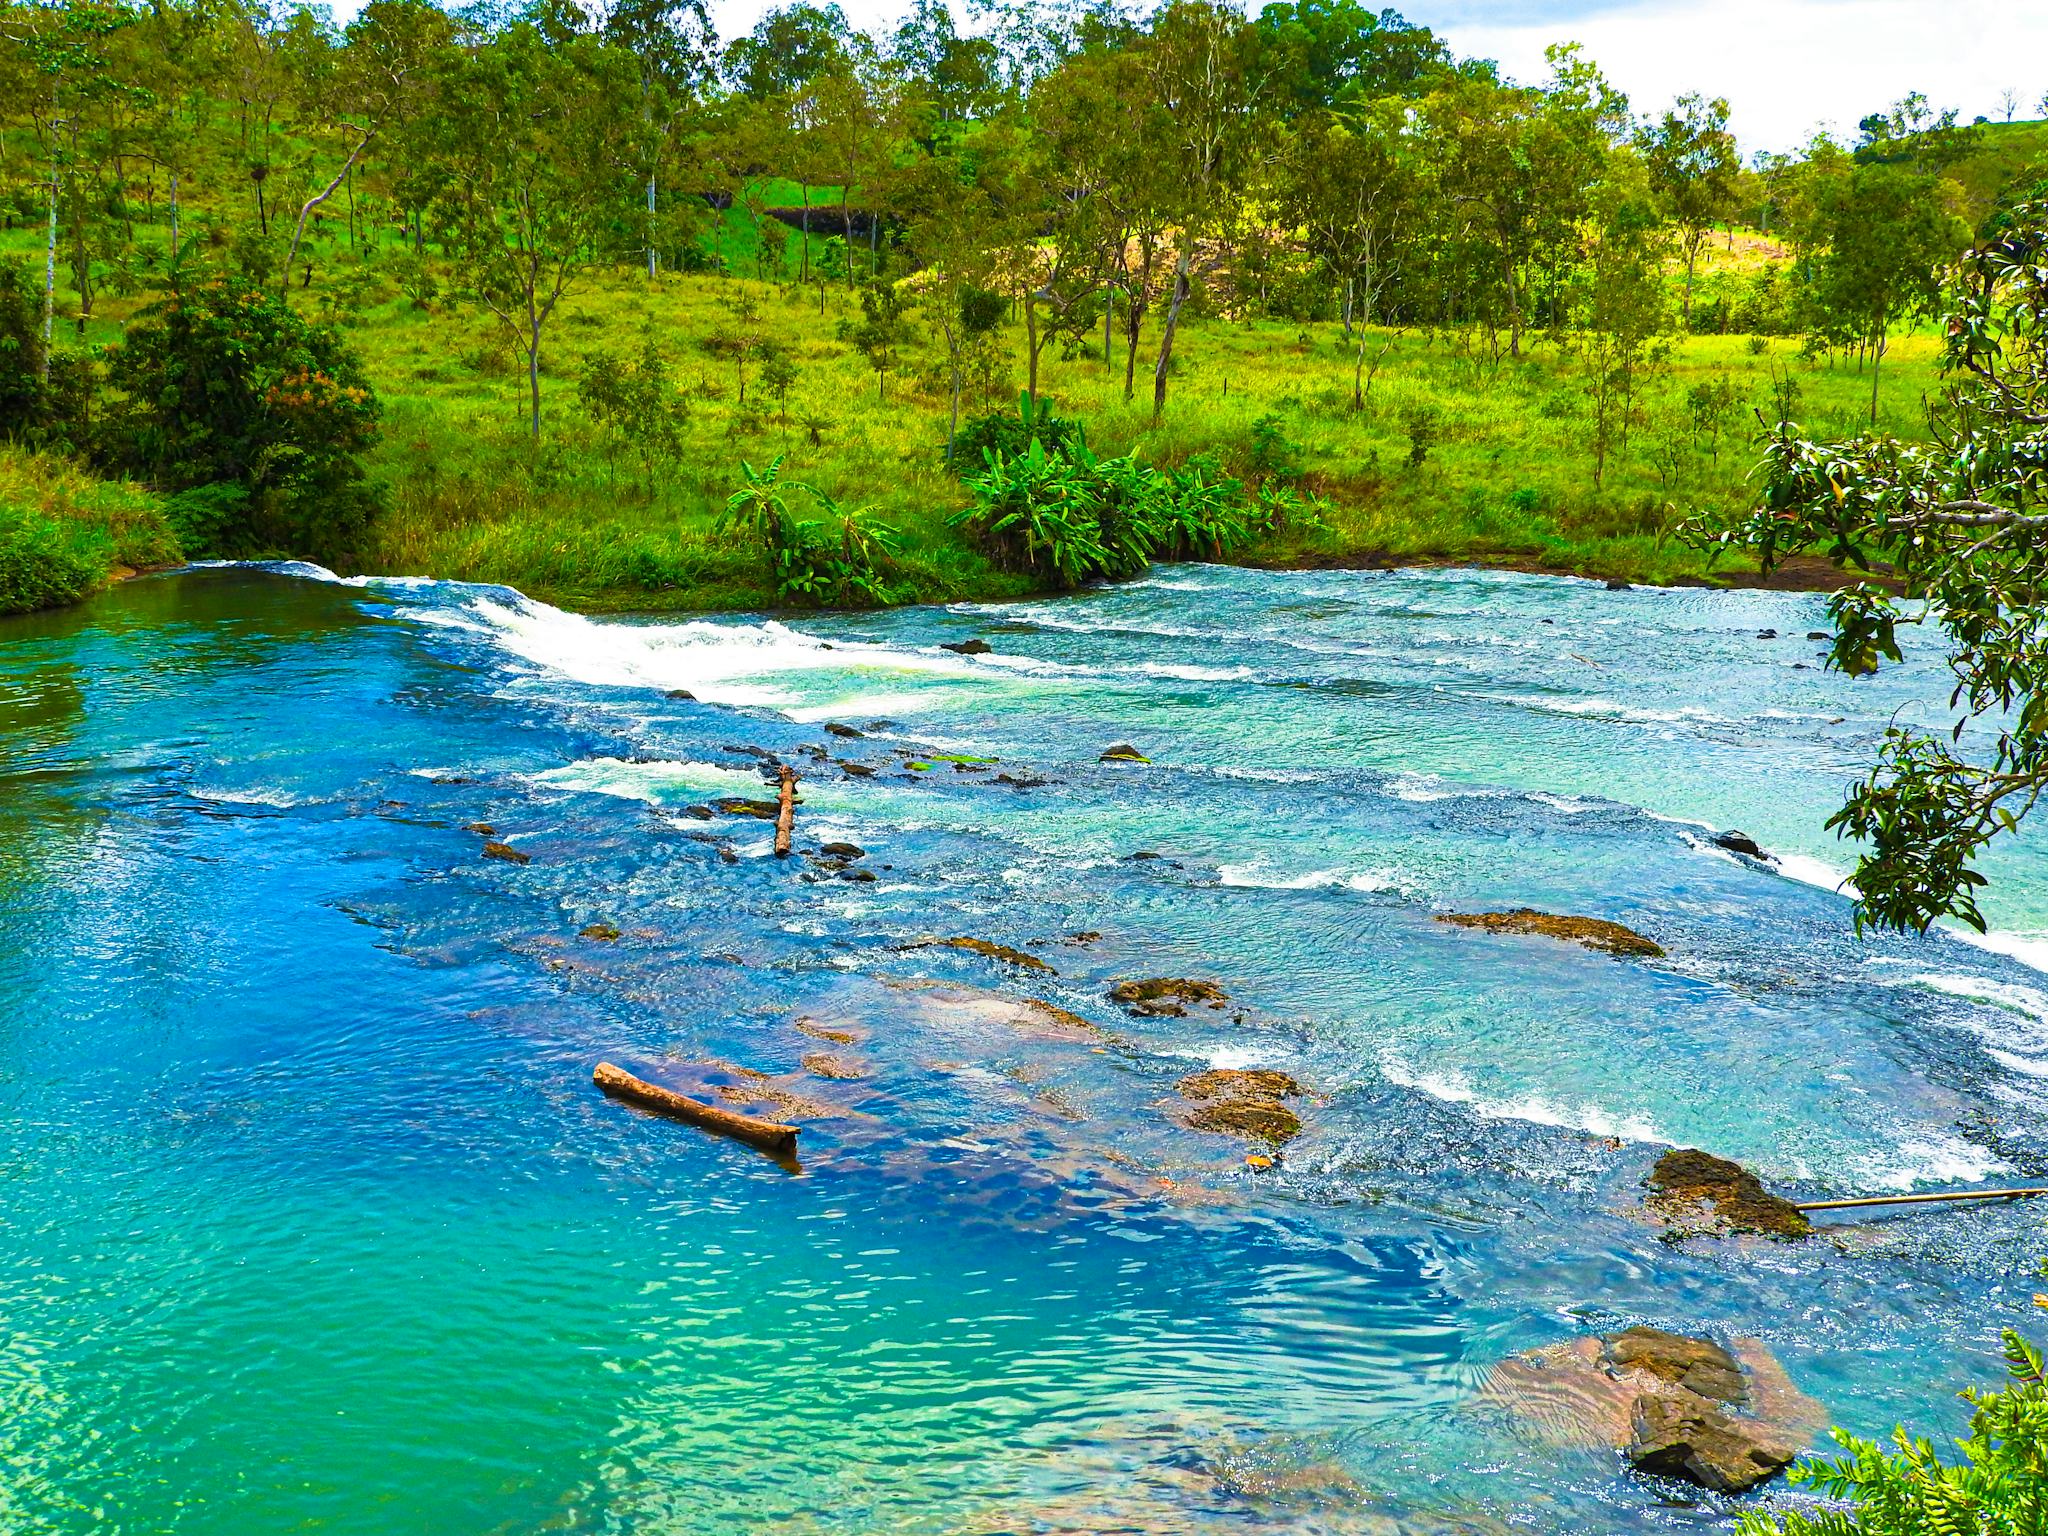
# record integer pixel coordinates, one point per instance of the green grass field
(1506, 470)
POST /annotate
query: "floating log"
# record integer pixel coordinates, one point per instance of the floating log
(785, 813)
(770, 1137)
(1968, 1194)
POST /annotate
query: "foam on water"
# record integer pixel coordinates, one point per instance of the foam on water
(1457, 1088)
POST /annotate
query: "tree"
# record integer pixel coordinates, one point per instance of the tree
(231, 397)
(1625, 305)
(1520, 164)
(1693, 170)
(1202, 61)
(1336, 53)
(672, 43)
(957, 233)
(882, 330)
(1959, 522)
(391, 46)
(1889, 231)
(535, 156)
(1356, 189)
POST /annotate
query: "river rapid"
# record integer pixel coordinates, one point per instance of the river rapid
(313, 1220)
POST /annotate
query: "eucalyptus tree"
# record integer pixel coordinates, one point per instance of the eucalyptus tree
(1519, 163)
(1957, 523)
(961, 233)
(537, 159)
(388, 64)
(1889, 233)
(860, 121)
(674, 48)
(1202, 62)
(1326, 54)
(1693, 169)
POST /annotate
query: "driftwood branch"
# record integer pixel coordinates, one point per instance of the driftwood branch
(1968, 1194)
(780, 1140)
(785, 813)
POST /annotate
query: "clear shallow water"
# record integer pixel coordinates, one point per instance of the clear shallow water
(313, 1220)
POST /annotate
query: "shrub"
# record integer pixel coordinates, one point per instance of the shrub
(1008, 434)
(1067, 516)
(2000, 1488)
(841, 557)
(227, 386)
(38, 406)
(44, 562)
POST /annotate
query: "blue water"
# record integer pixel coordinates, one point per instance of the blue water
(314, 1222)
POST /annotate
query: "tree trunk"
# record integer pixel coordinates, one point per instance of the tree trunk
(1108, 320)
(653, 262)
(49, 283)
(1876, 363)
(1180, 297)
(1031, 346)
(533, 375)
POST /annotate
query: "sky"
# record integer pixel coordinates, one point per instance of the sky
(1786, 66)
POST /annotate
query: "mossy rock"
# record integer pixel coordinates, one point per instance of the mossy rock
(1593, 932)
(1696, 1191)
(1165, 996)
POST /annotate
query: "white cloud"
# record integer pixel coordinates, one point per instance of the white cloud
(1787, 66)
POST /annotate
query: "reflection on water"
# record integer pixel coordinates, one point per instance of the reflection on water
(315, 1220)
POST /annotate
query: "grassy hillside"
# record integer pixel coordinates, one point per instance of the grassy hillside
(1457, 454)
(1454, 456)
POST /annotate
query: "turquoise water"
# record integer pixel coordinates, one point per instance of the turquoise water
(314, 1222)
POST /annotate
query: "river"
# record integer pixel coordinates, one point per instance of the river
(314, 1221)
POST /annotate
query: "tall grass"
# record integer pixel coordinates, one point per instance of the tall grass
(62, 531)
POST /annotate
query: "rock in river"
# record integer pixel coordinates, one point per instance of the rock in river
(1242, 1103)
(1676, 1406)
(1001, 952)
(968, 647)
(1123, 752)
(1593, 932)
(506, 852)
(1740, 842)
(1696, 1192)
(1163, 996)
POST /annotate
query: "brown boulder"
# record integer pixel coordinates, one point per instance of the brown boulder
(1689, 1436)
(1696, 1192)
(1001, 952)
(1593, 932)
(1676, 1406)
(1242, 1103)
(506, 852)
(1163, 996)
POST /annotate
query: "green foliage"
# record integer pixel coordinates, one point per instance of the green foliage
(44, 562)
(636, 406)
(42, 406)
(1008, 434)
(61, 530)
(1956, 525)
(1999, 1488)
(1067, 516)
(841, 557)
(226, 385)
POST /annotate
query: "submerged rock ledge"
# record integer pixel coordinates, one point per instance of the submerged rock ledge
(1593, 932)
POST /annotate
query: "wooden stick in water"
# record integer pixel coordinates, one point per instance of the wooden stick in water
(1972, 1194)
(785, 814)
(765, 1134)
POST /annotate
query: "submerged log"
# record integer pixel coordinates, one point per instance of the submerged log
(785, 812)
(765, 1134)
